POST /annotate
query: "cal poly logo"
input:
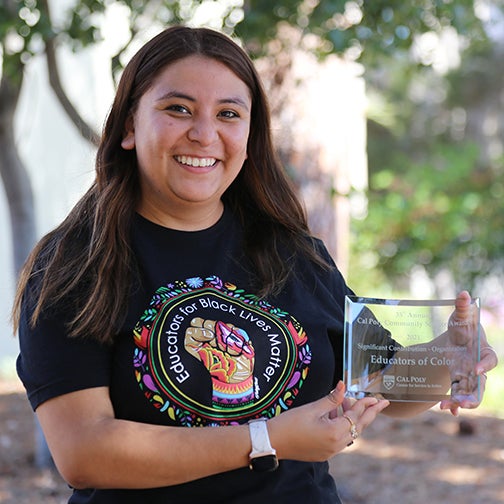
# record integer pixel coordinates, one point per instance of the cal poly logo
(388, 381)
(208, 353)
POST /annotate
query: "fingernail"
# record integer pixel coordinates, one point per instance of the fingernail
(340, 386)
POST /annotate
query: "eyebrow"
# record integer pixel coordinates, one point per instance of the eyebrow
(176, 94)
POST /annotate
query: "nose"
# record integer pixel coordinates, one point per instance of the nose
(203, 130)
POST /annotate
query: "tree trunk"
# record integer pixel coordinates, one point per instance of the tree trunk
(14, 175)
(21, 206)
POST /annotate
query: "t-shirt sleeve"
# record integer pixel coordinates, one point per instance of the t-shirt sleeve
(51, 364)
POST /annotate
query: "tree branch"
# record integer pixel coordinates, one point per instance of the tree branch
(86, 131)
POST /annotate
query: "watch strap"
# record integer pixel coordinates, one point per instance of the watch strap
(263, 457)
(259, 436)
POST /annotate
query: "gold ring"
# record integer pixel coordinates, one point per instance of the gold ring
(353, 428)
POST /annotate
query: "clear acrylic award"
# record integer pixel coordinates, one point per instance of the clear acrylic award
(408, 350)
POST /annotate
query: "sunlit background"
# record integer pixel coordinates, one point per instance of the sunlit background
(391, 126)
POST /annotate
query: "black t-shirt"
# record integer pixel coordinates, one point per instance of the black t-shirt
(198, 348)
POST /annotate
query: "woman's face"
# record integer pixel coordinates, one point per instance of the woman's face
(190, 132)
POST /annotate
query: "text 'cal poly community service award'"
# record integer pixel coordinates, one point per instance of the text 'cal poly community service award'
(408, 350)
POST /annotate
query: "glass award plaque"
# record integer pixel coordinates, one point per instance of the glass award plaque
(409, 350)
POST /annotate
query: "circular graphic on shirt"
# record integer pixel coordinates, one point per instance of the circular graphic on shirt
(208, 353)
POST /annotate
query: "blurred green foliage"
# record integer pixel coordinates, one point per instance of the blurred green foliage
(436, 168)
(375, 26)
(441, 212)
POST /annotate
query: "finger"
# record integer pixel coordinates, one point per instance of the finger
(462, 306)
(354, 432)
(370, 413)
(197, 322)
(199, 334)
(462, 322)
(488, 360)
(365, 410)
(363, 414)
(453, 404)
(450, 405)
(344, 406)
(348, 402)
(337, 395)
(360, 406)
(209, 324)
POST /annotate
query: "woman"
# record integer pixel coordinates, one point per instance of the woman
(182, 291)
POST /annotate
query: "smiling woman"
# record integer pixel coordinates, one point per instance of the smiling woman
(190, 132)
(185, 290)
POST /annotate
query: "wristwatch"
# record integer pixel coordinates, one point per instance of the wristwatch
(263, 457)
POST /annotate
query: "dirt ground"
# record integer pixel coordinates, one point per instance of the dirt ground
(434, 458)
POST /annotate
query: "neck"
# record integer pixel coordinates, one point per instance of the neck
(188, 219)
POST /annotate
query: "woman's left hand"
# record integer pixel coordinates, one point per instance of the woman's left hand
(462, 327)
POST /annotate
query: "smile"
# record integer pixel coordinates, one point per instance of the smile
(194, 161)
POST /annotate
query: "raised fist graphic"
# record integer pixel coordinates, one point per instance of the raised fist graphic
(227, 353)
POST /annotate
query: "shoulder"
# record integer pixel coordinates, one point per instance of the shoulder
(324, 273)
(320, 248)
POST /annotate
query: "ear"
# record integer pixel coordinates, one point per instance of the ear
(128, 141)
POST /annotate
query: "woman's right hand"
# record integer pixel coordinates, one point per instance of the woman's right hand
(315, 432)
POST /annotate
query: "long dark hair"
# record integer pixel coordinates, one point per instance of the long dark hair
(87, 260)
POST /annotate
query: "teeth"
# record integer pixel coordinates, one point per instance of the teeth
(197, 162)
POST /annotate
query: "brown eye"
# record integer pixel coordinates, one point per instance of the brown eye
(229, 114)
(180, 109)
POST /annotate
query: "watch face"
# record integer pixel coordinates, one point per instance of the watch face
(264, 464)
